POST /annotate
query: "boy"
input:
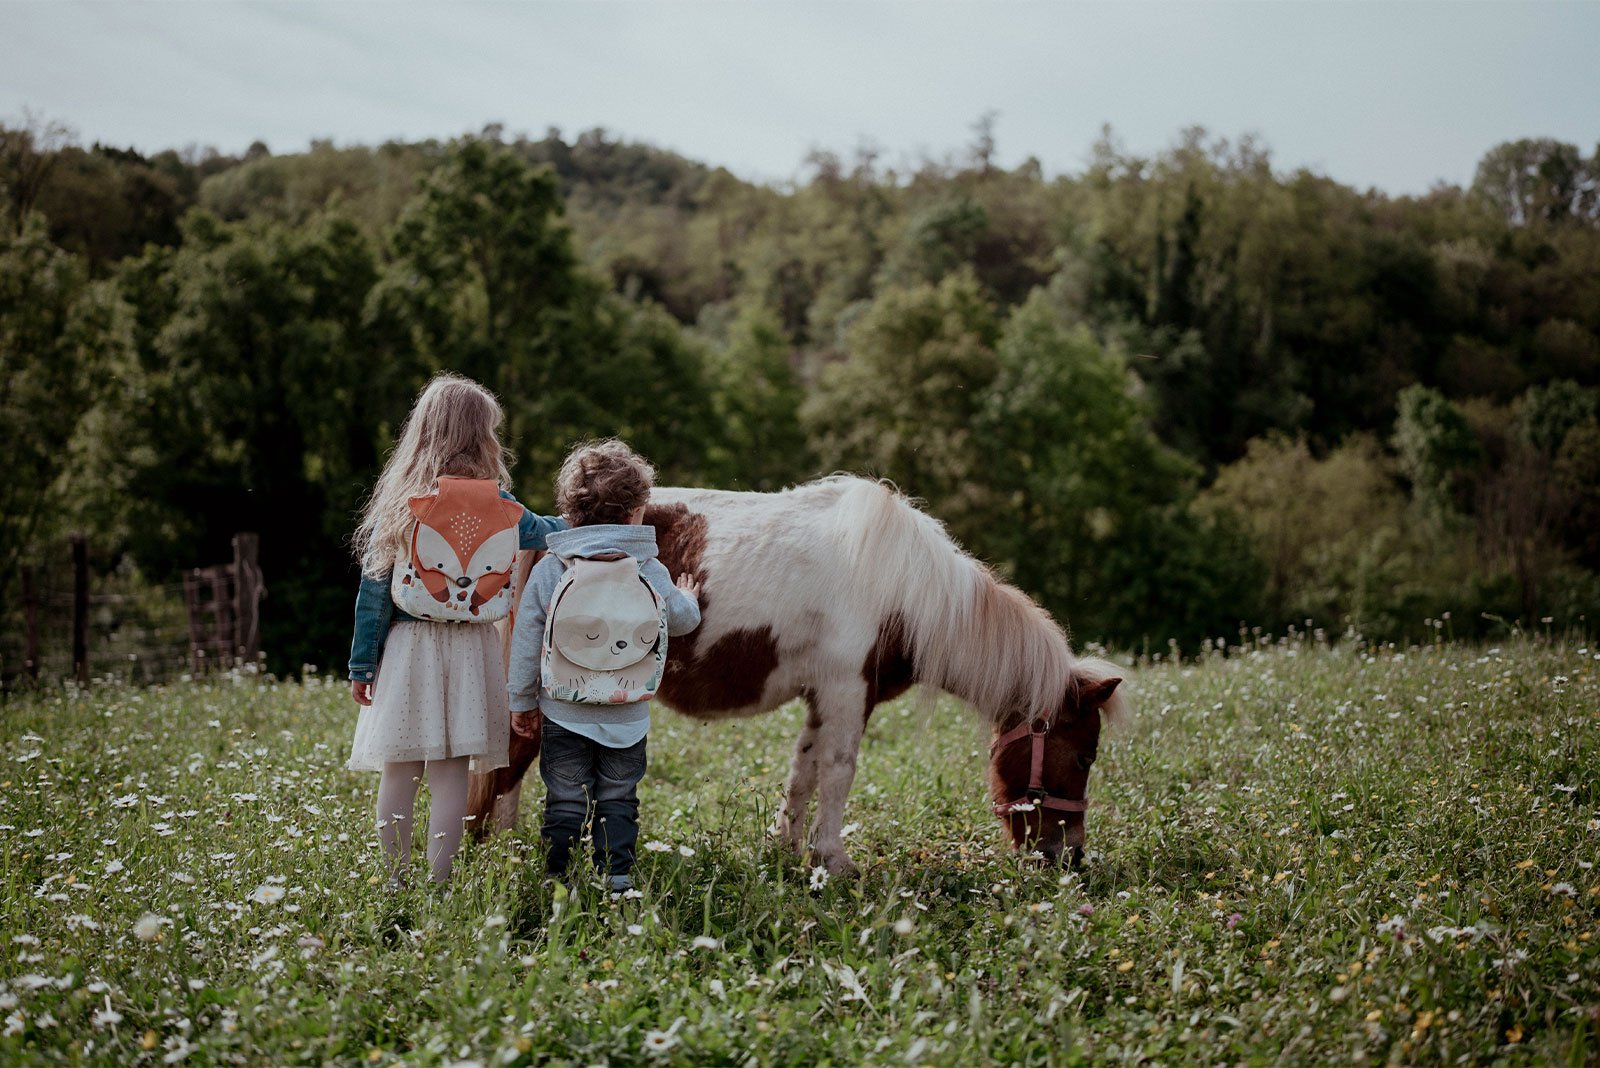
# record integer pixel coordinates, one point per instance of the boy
(593, 754)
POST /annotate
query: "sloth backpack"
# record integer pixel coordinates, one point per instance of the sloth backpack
(605, 638)
(458, 561)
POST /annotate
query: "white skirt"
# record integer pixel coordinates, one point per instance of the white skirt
(440, 692)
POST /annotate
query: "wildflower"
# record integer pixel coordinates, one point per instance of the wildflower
(685, 851)
(1234, 920)
(658, 847)
(706, 942)
(14, 1024)
(819, 877)
(659, 1042)
(1395, 925)
(107, 1017)
(1085, 909)
(112, 867)
(148, 927)
(1566, 889)
(266, 894)
(717, 989)
(635, 929)
(903, 926)
(179, 1051)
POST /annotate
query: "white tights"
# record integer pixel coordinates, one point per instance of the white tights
(397, 794)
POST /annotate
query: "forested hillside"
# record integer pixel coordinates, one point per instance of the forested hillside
(1170, 397)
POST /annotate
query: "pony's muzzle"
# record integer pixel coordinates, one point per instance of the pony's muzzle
(1064, 844)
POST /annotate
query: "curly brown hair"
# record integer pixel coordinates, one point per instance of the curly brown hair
(603, 482)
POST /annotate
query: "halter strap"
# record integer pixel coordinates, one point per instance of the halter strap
(1035, 730)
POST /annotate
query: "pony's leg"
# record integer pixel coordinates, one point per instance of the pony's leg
(493, 796)
(790, 823)
(838, 743)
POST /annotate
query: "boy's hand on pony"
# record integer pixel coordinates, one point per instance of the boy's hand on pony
(689, 584)
(361, 691)
(525, 724)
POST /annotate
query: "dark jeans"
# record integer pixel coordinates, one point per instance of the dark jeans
(583, 778)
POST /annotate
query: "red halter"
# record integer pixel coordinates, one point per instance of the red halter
(1035, 797)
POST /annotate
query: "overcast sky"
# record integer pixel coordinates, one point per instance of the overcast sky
(1397, 96)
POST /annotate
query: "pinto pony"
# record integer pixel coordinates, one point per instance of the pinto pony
(841, 593)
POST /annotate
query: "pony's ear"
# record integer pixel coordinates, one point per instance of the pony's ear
(1094, 695)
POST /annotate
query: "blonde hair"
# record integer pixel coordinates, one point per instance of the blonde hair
(453, 429)
(603, 482)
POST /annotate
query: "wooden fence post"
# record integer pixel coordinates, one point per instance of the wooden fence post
(80, 608)
(191, 605)
(247, 597)
(30, 616)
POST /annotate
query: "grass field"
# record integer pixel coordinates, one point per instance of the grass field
(1296, 855)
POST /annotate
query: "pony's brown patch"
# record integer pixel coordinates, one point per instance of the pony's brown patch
(888, 669)
(732, 672)
(680, 537)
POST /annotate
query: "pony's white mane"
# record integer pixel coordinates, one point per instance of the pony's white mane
(968, 633)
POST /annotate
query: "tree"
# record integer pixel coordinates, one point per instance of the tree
(1313, 521)
(60, 335)
(28, 153)
(756, 401)
(258, 404)
(1438, 451)
(1539, 180)
(903, 401)
(1085, 509)
(485, 283)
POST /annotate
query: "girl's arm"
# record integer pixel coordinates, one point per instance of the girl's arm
(535, 528)
(374, 613)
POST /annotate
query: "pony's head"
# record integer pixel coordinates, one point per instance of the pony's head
(1039, 767)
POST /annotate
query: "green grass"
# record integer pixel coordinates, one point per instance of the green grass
(1296, 854)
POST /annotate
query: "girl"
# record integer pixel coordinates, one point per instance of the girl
(433, 694)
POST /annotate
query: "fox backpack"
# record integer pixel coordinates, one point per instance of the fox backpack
(605, 641)
(458, 561)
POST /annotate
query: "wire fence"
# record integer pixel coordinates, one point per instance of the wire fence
(81, 617)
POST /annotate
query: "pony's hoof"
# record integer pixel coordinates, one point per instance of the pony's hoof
(839, 865)
(788, 835)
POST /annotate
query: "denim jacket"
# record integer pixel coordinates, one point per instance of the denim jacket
(375, 609)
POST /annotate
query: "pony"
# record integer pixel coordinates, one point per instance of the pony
(842, 593)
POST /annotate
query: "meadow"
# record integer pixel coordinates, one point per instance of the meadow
(1297, 853)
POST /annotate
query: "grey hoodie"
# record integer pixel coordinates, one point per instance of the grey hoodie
(617, 726)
